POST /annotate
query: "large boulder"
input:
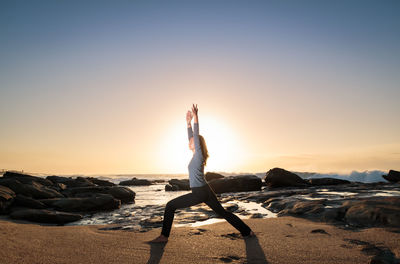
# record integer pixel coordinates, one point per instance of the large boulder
(70, 182)
(393, 176)
(97, 202)
(178, 185)
(278, 177)
(240, 183)
(34, 189)
(26, 179)
(378, 211)
(6, 198)
(307, 208)
(327, 181)
(45, 216)
(209, 176)
(135, 182)
(124, 194)
(25, 201)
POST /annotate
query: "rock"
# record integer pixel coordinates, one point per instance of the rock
(98, 202)
(278, 205)
(278, 177)
(100, 182)
(178, 185)
(170, 188)
(33, 189)
(377, 211)
(136, 182)
(25, 201)
(26, 179)
(212, 176)
(241, 183)
(6, 198)
(303, 208)
(327, 181)
(124, 194)
(70, 182)
(393, 176)
(45, 216)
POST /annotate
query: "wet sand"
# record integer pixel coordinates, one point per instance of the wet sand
(278, 240)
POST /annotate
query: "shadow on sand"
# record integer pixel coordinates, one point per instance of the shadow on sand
(254, 252)
(156, 252)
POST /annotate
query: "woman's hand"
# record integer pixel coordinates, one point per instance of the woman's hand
(195, 110)
(189, 117)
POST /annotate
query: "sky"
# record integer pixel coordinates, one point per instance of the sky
(104, 86)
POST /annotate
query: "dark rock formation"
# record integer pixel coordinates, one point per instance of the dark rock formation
(212, 176)
(393, 176)
(97, 202)
(178, 185)
(241, 183)
(34, 189)
(376, 211)
(135, 182)
(327, 181)
(6, 198)
(278, 177)
(45, 216)
(124, 194)
(26, 179)
(70, 182)
(25, 201)
(303, 207)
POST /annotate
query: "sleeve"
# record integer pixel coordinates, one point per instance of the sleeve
(190, 132)
(196, 138)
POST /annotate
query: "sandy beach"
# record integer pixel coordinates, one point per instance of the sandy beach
(278, 240)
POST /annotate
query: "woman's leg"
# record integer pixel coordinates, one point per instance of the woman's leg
(234, 220)
(182, 201)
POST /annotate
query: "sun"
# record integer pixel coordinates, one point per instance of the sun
(225, 149)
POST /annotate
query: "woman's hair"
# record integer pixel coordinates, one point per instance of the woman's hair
(203, 149)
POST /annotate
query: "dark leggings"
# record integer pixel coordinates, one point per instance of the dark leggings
(198, 195)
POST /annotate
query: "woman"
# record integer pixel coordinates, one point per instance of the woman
(201, 191)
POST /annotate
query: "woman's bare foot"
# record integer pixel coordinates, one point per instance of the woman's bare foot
(159, 239)
(250, 235)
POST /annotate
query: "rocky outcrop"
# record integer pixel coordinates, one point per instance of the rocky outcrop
(240, 183)
(25, 201)
(26, 196)
(70, 182)
(26, 179)
(33, 189)
(379, 211)
(135, 182)
(45, 216)
(327, 181)
(122, 193)
(178, 185)
(393, 176)
(6, 198)
(97, 202)
(278, 177)
(209, 176)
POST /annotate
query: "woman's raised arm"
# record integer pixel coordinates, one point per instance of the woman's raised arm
(189, 117)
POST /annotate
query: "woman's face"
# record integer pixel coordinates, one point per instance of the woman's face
(191, 143)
